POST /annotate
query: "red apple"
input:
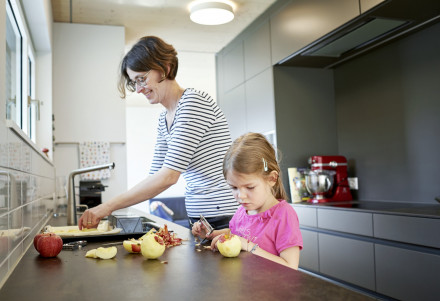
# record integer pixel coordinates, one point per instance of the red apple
(49, 245)
(37, 237)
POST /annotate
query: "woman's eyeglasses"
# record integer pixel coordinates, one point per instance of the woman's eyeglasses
(140, 81)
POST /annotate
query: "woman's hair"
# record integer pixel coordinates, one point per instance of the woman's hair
(250, 154)
(148, 53)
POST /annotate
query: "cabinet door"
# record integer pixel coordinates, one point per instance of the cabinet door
(233, 66)
(407, 274)
(260, 104)
(234, 108)
(257, 51)
(347, 259)
(368, 4)
(309, 257)
(302, 22)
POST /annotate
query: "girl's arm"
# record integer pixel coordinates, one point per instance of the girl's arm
(288, 257)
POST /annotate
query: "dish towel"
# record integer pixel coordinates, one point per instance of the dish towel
(94, 153)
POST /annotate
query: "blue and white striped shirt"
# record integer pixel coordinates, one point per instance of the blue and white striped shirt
(195, 146)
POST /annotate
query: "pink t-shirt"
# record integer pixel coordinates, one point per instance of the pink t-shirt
(274, 230)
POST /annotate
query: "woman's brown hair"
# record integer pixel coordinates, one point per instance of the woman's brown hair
(251, 153)
(149, 53)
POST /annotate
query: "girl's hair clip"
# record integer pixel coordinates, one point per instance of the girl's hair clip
(265, 165)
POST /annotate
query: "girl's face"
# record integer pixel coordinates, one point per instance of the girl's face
(147, 83)
(253, 191)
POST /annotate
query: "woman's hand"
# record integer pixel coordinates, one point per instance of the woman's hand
(91, 217)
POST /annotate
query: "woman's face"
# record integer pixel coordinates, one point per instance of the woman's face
(252, 191)
(147, 83)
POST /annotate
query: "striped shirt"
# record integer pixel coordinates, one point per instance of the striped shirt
(195, 146)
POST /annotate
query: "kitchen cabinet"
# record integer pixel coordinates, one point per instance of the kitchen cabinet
(386, 248)
(260, 106)
(301, 22)
(368, 4)
(257, 50)
(407, 274)
(233, 105)
(233, 66)
(245, 74)
(309, 259)
(350, 260)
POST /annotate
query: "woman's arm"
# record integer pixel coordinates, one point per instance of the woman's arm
(145, 190)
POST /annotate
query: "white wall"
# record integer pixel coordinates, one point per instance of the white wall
(196, 70)
(86, 102)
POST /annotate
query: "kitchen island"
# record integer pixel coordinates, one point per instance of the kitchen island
(181, 273)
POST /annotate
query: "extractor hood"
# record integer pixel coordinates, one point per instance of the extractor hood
(388, 21)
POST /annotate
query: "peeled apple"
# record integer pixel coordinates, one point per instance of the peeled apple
(132, 245)
(229, 245)
(152, 246)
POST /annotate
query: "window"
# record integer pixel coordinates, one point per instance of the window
(13, 68)
(21, 106)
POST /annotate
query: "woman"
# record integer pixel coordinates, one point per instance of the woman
(193, 137)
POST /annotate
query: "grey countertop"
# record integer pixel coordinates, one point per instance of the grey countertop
(411, 209)
(188, 275)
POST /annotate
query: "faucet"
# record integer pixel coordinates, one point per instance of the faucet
(71, 206)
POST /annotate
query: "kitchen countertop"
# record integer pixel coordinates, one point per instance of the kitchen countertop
(187, 275)
(411, 209)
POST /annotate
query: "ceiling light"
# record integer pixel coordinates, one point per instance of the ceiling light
(211, 13)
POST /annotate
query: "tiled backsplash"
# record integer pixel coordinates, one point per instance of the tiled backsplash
(27, 189)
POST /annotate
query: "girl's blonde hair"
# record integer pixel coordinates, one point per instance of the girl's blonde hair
(251, 153)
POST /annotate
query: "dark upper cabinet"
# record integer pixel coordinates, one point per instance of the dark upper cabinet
(301, 22)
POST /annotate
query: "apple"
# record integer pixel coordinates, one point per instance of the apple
(49, 244)
(132, 245)
(37, 237)
(152, 246)
(106, 253)
(229, 245)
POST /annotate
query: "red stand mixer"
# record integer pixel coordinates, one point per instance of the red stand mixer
(328, 179)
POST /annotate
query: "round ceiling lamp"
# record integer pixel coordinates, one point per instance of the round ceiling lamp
(211, 13)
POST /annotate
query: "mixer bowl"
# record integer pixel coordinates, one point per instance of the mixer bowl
(319, 183)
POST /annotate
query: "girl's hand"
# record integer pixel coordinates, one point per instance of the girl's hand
(214, 242)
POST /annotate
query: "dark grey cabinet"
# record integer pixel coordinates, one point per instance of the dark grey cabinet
(347, 259)
(260, 106)
(257, 50)
(302, 22)
(233, 66)
(233, 105)
(309, 256)
(390, 254)
(368, 4)
(406, 274)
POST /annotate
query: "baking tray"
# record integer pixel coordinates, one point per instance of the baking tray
(112, 237)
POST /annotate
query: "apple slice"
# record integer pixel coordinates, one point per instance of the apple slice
(132, 245)
(91, 254)
(106, 253)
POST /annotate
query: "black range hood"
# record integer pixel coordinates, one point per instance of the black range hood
(388, 21)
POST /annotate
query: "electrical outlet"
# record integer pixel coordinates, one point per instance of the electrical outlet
(353, 183)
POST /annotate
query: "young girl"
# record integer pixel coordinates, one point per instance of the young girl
(266, 224)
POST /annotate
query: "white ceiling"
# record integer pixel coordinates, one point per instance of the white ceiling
(168, 19)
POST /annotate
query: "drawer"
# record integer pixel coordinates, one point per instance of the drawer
(407, 274)
(347, 259)
(408, 229)
(346, 221)
(306, 216)
(308, 258)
